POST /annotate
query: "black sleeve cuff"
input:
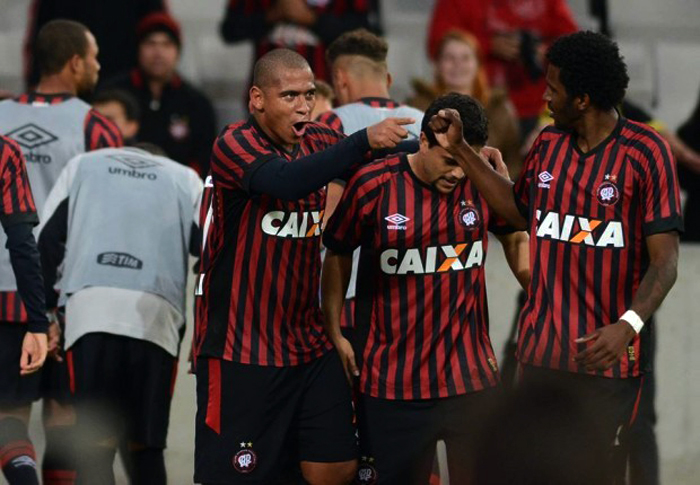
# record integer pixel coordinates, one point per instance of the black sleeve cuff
(337, 246)
(667, 224)
(38, 326)
(19, 218)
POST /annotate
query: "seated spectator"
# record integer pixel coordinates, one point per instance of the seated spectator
(459, 68)
(122, 109)
(174, 115)
(304, 26)
(324, 99)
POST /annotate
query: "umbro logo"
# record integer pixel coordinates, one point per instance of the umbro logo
(545, 177)
(397, 222)
(31, 136)
(134, 161)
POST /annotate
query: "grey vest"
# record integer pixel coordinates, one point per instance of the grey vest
(49, 136)
(356, 116)
(130, 217)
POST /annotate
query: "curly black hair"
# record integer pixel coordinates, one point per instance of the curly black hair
(590, 63)
(475, 124)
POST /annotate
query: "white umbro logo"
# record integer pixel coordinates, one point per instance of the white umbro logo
(545, 177)
(397, 222)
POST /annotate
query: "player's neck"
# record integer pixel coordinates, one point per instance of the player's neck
(594, 127)
(370, 90)
(56, 84)
(417, 165)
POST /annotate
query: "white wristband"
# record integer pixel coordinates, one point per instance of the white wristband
(633, 319)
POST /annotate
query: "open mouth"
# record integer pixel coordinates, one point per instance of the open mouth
(299, 128)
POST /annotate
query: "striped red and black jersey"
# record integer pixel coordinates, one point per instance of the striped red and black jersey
(421, 310)
(588, 216)
(16, 205)
(245, 19)
(99, 131)
(259, 281)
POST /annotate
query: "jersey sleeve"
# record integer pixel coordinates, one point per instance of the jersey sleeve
(16, 200)
(659, 190)
(353, 215)
(522, 190)
(101, 132)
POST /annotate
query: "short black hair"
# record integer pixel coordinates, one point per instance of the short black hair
(268, 67)
(360, 42)
(57, 42)
(590, 63)
(128, 102)
(475, 125)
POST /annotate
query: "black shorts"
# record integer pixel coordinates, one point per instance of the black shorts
(122, 388)
(256, 423)
(398, 438)
(15, 390)
(56, 380)
(613, 402)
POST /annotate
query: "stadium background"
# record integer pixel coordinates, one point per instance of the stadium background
(661, 44)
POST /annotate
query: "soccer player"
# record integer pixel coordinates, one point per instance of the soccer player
(23, 346)
(124, 293)
(599, 197)
(52, 125)
(271, 392)
(427, 369)
(361, 80)
(122, 109)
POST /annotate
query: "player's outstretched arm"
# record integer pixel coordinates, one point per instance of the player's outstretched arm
(611, 341)
(292, 181)
(334, 285)
(496, 189)
(516, 248)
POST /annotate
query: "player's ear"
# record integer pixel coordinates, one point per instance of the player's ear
(389, 80)
(423, 143)
(257, 98)
(75, 64)
(582, 102)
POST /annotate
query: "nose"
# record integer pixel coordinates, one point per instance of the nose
(547, 96)
(457, 173)
(303, 105)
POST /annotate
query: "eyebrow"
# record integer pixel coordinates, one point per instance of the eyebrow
(297, 93)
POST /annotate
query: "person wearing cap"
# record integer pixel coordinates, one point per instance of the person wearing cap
(174, 114)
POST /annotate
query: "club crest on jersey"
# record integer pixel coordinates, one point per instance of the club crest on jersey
(366, 473)
(435, 259)
(607, 192)
(469, 216)
(580, 230)
(545, 178)
(246, 459)
(292, 224)
(397, 222)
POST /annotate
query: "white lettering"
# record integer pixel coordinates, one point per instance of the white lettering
(612, 236)
(388, 261)
(476, 255)
(550, 226)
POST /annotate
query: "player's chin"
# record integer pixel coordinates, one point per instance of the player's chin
(445, 187)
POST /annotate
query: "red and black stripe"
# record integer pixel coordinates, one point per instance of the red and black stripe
(259, 302)
(422, 333)
(16, 204)
(101, 132)
(578, 287)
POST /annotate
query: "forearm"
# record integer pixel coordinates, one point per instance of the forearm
(24, 257)
(334, 284)
(496, 189)
(516, 248)
(657, 282)
(295, 180)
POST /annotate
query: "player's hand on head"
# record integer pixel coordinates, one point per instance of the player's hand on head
(34, 349)
(347, 357)
(388, 133)
(605, 346)
(447, 128)
(495, 159)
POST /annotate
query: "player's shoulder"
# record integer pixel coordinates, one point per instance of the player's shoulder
(551, 132)
(637, 133)
(7, 143)
(321, 131)
(235, 133)
(380, 172)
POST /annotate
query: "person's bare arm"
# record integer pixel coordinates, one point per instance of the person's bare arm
(611, 341)
(516, 248)
(495, 188)
(334, 285)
